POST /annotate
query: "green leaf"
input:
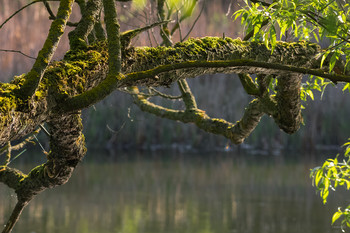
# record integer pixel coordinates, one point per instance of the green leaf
(316, 37)
(256, 29)
(346, 86)
(266, 41)
(333, 61)
(336, 216)
(347, 184)
(318, 177)
(310, 93)
(273, 38)
(324, 195)
(188, 8)
(283, 30)
(324, 56)
(347, 151)
(237, 14)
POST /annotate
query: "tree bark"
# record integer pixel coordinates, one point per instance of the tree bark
(83, 69)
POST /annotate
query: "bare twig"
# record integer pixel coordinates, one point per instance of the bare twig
(22, 8)
(179, 27)
(128, 35)
(196, 20)
(161, 94)
(17, 51)
(48, 8)
(152, 93)
(52, 15)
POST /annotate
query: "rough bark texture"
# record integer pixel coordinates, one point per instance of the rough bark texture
(67, 149)
(288, 103)
(85, 68)
(216, 49)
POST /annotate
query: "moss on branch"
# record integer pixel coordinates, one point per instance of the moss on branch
(90, 12)
(33, 78)
(235, 132)
(85, 68)
(11, 177)
(88, 74)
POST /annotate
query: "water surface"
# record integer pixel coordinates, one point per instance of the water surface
(173, 193)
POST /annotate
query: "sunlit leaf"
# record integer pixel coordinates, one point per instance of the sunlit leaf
(310, 93)
(272, 38)
(333, 61)
(316, 37)
(188, 8)
(318, 177)
(283, 30)
(336, 216)
(139, 4)
(324, 56)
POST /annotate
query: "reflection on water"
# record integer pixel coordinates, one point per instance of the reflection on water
(221, 193)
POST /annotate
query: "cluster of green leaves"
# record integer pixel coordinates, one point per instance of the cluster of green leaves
(323, 21)
(332, 174)
(183, 7)
(313, 83)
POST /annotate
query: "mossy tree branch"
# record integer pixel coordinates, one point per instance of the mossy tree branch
(248, 84)
(235, 132)
(67, 149)
(9, 148)
(113, 34)
(234, 66)
(78, 37)
(33, 78)
(191, 114)
(80, 80)
(108, 85)
(66, 74)
(186, 94)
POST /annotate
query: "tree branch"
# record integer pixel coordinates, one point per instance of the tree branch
(81, 79)
(78, 37)
(236, 66)
(17, 51)
(22, 8)
(113, 34)
(67, 146)
(235, 132)
(34, 76)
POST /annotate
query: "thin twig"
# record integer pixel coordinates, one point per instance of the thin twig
(154, 37)
(158, 93)
(17, 156)
(152, 93)
(48, 8)
(52, 15)
(17, 51)
(19, 10)
(196, 20)
(179, 26)
(45, 130)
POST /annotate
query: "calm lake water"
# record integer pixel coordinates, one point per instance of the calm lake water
(168, 193)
